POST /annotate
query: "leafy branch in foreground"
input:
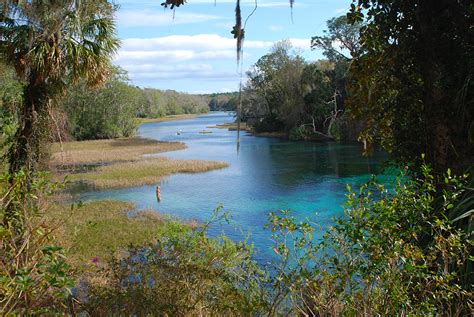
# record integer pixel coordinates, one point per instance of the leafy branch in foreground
(33, 273)
(393, 253)
(183, 273)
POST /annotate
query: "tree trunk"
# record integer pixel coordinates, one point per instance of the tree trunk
(25, 152)
(435, 101)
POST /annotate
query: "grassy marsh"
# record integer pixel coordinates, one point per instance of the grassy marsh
(102, 229)
(107, 151)
(118, 163)
(230, 126)
(169, 118)
(142, 172)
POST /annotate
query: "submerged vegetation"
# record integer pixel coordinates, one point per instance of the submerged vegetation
(403, 72)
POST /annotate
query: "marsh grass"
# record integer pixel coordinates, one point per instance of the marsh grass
(100, 230)
(168, 118)
(103, 164)
(102, 151)
(144, 172)
(230, 126)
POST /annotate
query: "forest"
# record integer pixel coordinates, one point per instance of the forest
(397, 77)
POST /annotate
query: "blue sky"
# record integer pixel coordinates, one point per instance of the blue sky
(193, 51)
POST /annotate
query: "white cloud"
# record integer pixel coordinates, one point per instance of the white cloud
(275, 28)
(304, 44)
(187, 57)
(168, 56)
(153, 18)
(199, 42)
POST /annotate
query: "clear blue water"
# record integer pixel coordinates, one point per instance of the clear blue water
(265, 174)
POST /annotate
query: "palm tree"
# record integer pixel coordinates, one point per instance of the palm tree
(51, 44)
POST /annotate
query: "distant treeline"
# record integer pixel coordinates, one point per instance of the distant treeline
(223, 101)
(111, 111)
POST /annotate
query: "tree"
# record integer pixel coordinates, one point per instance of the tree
(275, 79)
(412, 79)
(106, 112)
(51, 44)
(341, 38)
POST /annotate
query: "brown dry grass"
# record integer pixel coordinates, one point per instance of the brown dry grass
(107, 151)
(169, 118)
(230, 126)
(143, 172)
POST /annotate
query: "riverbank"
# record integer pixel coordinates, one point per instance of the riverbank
(103, 164)
(95, 232)
(169, 118)
(243, 127)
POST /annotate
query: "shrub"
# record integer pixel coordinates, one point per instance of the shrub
(392, 254)
(33, 275)
(184, 272)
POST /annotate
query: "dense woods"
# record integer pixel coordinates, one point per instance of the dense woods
(396, 74)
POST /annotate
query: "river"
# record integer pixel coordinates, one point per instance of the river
(265, 174)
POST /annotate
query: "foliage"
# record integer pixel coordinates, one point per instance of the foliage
(51, 44)
(160, 103)
(223, 101)
(33, 277)
(392, 254)
(10, 99)
(412, 79)
(285, 92)
(342, 34)
(308, 98)
(184, 272)
(102, 113)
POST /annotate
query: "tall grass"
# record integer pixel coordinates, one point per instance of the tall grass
(94, 232)
(168, 118)
(145, 172)
(103, 151)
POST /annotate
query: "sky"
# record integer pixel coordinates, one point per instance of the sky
(191, 48)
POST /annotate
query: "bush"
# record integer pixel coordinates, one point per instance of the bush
(184, 272)
(33, 275)
(269, 124)
(392, 254)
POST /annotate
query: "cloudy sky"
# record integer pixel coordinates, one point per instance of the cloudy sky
(192, 50)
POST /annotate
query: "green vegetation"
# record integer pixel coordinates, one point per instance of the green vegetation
(102, 113)
(182, 273)
(142, 172)
(394, 253)
(406, 251)
(50, 45)
(423, 102)
(110, 111)
(168, 118)
(159, 103)
(305, 100)
(223, 101)
(34, 277)
(85, 230)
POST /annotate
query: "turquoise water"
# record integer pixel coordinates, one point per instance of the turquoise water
(265, 174)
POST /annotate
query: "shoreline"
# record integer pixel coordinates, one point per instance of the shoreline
(86, 229)
(169, 118)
